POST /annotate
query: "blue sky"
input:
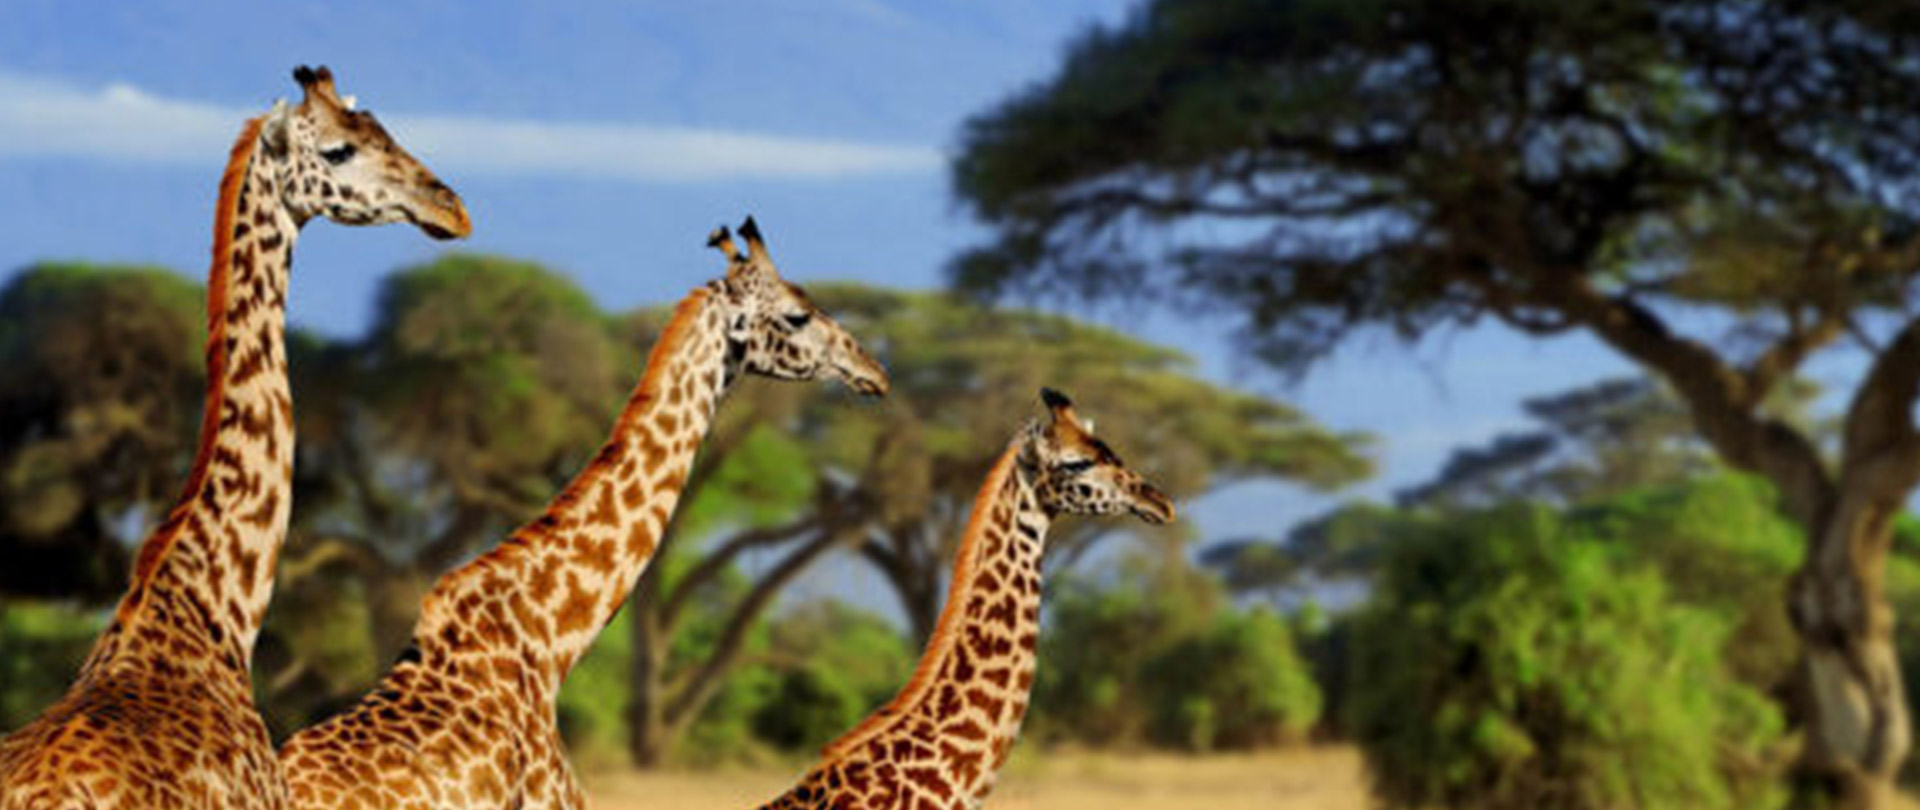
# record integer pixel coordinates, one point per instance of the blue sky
(583, 136)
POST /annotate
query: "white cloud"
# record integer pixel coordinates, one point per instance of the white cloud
(44, 118)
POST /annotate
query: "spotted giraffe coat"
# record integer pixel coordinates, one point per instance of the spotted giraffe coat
(467, 717)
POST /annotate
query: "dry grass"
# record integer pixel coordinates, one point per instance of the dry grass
(1308, 779)
(1329, 778)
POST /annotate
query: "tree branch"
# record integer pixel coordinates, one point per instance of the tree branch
(715, 563)
(326, 551)
(1786, 354)
(1724, 404)
(698, 686)
(1879, 429)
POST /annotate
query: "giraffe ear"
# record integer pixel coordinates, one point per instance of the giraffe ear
(318, 83)
(274, 127)
(721, 239)
(756, 246)
(1059, 405)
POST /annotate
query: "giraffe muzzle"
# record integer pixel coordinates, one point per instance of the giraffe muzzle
(445, 215)
(1153, 506)
(862, 373)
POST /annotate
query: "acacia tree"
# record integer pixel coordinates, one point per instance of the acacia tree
(1317, 168)
(892, 481)
(1594, 441)
(965, 375)
(100, 379)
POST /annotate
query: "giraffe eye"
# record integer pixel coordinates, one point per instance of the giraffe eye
(1076, 467)
(800, 320)
(338, 155)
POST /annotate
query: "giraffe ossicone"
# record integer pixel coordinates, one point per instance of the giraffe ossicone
(467, 717)
(940, 743)
(161, 714)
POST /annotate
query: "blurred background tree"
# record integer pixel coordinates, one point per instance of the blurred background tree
(100, 374)
(1320, 169)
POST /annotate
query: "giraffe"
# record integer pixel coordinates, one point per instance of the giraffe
(941, 741)
(466, 717)
(161, 714)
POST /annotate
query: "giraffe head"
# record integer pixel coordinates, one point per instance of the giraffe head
(775, 330)
(1074, 472)
(345, 167)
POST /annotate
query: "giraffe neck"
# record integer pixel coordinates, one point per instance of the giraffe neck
(205, 575)
(556, 582)
(948, 732)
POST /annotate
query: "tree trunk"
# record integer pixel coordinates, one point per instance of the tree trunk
(647, 732)
(921, 599)
(1857, 732)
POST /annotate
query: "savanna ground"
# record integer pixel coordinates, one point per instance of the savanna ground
(1321, 778)
(1301, 779)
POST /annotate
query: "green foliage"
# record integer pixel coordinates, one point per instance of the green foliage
(1158, 657)
(41, 647)
(1903, 592)
(496, 371)
(806, 677)
(756, 485)
(1401, 166)
(1593, 441)
(593, 701)
(1240, 684)
(316, 637)
(965, 376)
(1721, 544)
(1508, 662)
(1098, 634)
(966, 373)
(835, 664)
(100, 375)
(809, 706)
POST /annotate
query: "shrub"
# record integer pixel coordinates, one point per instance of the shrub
(841, 663)
(809, 705)
(1158, 656)
(1721, 544)
(1502, 663)
(1097, 638)
(1240, 684)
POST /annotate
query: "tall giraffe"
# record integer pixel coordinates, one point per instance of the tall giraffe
(161, 714)
(941, 741)
(466, 717)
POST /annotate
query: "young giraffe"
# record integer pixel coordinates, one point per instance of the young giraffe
(161, 714)
(941, 741)
(466, 717)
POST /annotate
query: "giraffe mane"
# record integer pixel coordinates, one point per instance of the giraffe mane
(155, 548)
(685, 315)
(671, 336)
(945, 632)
